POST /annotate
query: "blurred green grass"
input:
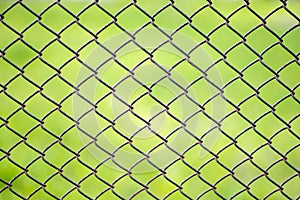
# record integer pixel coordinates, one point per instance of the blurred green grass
(75, 37)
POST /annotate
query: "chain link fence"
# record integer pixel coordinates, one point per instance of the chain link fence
(149, 100)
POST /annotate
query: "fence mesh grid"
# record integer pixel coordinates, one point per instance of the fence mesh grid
(224, 127)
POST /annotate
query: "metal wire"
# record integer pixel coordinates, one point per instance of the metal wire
(41, 157)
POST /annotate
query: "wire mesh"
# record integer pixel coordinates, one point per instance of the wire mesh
(149, 100)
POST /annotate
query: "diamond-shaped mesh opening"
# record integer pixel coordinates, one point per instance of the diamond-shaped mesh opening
(56, 122)
(254, 137)
(60, 189)
(171, 99)
(8, 105)
(256, 74)
(207, 20)
(229, 187)
(292, 156)
(38, 175)
(293, 70)
(221, 39)
(279, 61)
(8, 34)
(161, 18)
(289, 36)
(93, 192)
(19, 54)
(239, 61)
(294, 108)
(246, 172)
(8, 71)
(260, 38)
(268, 188)
(150, 8)
(235, 154)
(41, 111)
(269, 124)
(254, 109)
(190, 8)
(59, 52)
(16, 154)
(18, 17)
(124, 19)
(20, 89)
(16, 122)
(281, 92)
(50, 89)
(250, 20)
(38, 71)
(81, 38)
(281, 20)
(53, 156)
(38, 31)
(96, 23)
(11, 141)
(54, 12)
(237, 90)
(290, 184)
(161, 187)
(122, 189)
(24, 186)
(9, 170)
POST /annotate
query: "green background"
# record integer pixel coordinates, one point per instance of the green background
(275, 75)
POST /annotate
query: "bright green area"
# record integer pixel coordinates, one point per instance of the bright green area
(272, 126)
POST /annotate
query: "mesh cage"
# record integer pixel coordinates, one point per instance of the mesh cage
(145, 99)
